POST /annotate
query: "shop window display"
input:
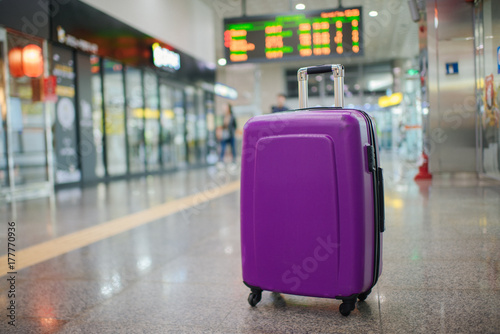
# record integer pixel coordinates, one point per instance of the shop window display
(27, 118)
(97, 120)
(180, 135)
(135, 120)
(191, 118)
(168, 126)
(114, 99)
(201, 126)
(152, 121)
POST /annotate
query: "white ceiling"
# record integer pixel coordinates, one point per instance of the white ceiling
(390, 35)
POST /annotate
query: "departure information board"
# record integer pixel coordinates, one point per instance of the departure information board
(325, 33)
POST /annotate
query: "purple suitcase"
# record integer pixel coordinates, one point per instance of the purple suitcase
(312, 212)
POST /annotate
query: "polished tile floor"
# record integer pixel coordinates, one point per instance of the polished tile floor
(182, 273)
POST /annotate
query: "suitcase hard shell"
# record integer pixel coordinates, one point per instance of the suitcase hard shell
(312, 201)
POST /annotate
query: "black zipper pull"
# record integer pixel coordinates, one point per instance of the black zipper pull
(381, 207)
(371, 158)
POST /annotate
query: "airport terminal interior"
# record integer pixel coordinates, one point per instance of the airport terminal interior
(125, 152)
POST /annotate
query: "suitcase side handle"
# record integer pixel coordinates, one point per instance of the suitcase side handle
(338, 78)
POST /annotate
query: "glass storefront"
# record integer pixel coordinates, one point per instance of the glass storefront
(78, 118)
(135, 120)
(191, 120)
(487, 56)
(4, 172)
(97, 112)
(201, 127)
(24, 127)
(168, 126)
(196, 125)
(181, 126)
(152, 121)
(212, 156)
(114, 103)
(27, 124)
(165, 125)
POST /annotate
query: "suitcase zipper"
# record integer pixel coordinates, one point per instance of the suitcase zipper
(378, 191)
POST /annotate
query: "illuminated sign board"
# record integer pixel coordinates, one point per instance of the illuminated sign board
(225, 91)
(77, 43)
(391, 100)
(325, 33)
(165, 58)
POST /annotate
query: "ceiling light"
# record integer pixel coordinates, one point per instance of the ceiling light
(300, 6)
(373, 13)
(222, 61)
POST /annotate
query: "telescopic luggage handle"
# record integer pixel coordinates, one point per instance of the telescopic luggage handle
(338, 78)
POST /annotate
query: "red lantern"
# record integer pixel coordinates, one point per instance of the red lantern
(16, 62)
(32, 60)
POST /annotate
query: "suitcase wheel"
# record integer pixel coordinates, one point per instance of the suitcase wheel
(347, 306)
(254, 298)
(362, 297)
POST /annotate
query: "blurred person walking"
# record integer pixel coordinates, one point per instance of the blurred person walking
(228, 130)
(281, 104)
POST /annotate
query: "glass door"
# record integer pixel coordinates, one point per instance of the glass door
(168, 126)
(191, 120)
(97, 115)
(25, 120)
(114, 99)
(152, 121)
(135, 120)
(201, 127)
(212, 156)
(4, 170)
(487, 57)
(180, 134)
